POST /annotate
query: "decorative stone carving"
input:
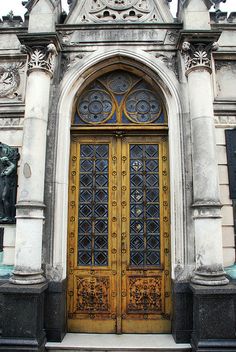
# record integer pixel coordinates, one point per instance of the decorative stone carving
(197, 54)
(225, 121)
(41, 57)
(217, 3)
(173, 36)
(10, 79)
(170, 62)
(120, 11)
(8, 183)
(11, 122)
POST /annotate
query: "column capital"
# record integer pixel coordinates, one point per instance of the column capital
(196, 49)
(41, 51)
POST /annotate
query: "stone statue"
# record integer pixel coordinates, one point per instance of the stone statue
(8, 183)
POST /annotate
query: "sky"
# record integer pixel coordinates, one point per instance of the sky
(18, 9)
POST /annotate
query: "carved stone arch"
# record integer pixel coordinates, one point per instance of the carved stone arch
(75, 79)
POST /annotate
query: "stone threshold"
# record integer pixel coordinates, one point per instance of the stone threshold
(112, 342)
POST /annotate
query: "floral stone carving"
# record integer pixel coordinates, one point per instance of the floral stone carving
(40, 57)
(198, 54)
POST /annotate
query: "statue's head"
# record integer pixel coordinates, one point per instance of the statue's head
(4, 160)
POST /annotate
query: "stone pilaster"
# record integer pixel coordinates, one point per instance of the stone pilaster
(197, 50)
(30, 206)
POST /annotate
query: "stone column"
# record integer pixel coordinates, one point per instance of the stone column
(206, 197)
(30, 205)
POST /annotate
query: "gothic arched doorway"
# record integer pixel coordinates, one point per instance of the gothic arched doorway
(118, 237)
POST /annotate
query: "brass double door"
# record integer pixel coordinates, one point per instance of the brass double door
(118, 238)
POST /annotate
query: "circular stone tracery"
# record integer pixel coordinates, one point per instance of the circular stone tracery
(142, 106)
(119, 83)
(95, 106)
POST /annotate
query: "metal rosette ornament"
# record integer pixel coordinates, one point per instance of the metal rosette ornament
(142, 106)
(95, 106)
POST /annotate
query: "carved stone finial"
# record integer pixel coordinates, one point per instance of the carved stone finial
(41, 57)
(197, 54)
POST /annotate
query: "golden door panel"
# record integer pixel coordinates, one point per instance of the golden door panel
(119, 276)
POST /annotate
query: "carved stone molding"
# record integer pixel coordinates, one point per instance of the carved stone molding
(41, 57)
(225, 120)
(197, 55)
(11, 122)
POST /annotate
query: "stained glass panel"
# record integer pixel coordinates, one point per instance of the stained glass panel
(93, 205)
(119, 97)
(144, 205)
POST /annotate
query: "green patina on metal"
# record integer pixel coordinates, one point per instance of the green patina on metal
(9, 157)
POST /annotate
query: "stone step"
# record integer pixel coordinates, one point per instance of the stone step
(111, 342)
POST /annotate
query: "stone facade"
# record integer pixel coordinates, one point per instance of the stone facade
(45, 62)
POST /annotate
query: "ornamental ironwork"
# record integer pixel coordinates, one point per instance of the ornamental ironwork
(93, 208)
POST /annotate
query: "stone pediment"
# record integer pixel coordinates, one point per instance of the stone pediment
(119, 11)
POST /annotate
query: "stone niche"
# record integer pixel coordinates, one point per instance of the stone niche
(12, 80)
(225, 79)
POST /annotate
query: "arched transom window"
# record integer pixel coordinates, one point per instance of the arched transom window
(119, 98)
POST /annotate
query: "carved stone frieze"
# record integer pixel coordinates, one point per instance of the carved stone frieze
(41, 57)
(225, 120)
(197, 54)
(11, 122)
(10, 79)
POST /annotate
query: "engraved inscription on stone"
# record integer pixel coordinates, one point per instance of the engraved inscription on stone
(121, 35)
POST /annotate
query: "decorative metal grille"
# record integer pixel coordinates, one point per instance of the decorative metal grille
(144, 205)
(93, 205)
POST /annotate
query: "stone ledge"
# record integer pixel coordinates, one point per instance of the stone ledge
(213, 290)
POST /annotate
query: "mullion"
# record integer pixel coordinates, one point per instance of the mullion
(93, 205)
(144, 206)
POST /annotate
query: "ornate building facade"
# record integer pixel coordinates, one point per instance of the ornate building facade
(117, 172)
